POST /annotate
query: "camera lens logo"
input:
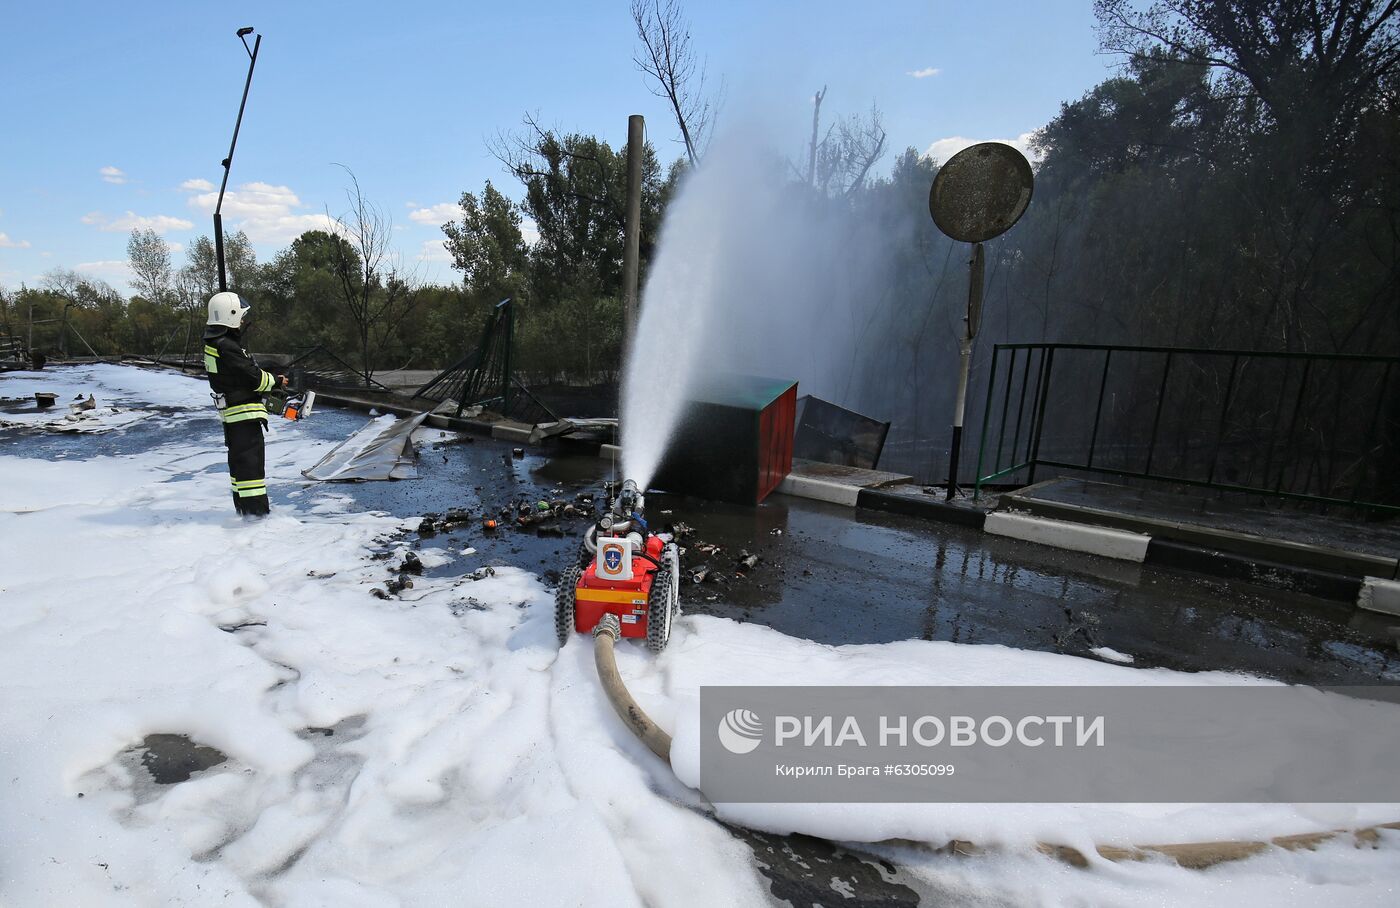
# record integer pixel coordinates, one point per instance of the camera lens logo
(740, 731)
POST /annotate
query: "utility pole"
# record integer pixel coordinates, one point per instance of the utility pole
(233, 143)
(971, 321)
(632, 235)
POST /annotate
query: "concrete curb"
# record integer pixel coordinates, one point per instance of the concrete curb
(1077, 537)
(506, 431)
(1377, 595)
(820, 490)
(1258, 549)
(926, 507)
(1312, 581)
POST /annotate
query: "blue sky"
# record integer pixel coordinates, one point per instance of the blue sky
(113, 112)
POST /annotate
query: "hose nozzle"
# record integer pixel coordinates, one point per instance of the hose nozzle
(629, 500)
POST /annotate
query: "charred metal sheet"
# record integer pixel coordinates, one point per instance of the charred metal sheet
(830, 434)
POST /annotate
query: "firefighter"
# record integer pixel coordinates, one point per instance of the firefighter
(239, 384)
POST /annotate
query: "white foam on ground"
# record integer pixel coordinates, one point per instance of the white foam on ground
(122, 395)
(740, 654)
(111, 385)
(1112, 655)
(473, 763)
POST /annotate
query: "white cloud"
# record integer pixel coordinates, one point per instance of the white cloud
(943, 149)
(196, 185)
(530, 231)
(160, 223)
(434, 251)
(7, 243)
(112, 175)
(267, 213)
(251, 200)
(112, 270)
(434, 215)
(285, 228)
(924, 73)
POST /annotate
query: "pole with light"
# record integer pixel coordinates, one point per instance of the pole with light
(243, 34)
(977, 195)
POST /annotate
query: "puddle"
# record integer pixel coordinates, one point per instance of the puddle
(171, 759)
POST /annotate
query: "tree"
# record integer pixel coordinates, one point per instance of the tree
(377, 294)
(487, 245)
(1315, 64)
(668, 59)
(150, 266)
(841, 161)
(575, 190)
(1273, 120)
(93, 309)
(202, 265)
(6, 304)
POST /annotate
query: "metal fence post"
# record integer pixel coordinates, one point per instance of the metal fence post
(1005, 407)
(1224, 411)
(1098, 408)
(1043, 393)
(986, 418)
(1157, 419)
(1021, 403)
(1293, 422)
(1371, 434)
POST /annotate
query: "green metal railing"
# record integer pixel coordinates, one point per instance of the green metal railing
(1324, 448)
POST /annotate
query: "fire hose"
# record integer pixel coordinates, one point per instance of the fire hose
(1190, 855)
(605, 636)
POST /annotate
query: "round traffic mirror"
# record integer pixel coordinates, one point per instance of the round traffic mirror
(981, 192)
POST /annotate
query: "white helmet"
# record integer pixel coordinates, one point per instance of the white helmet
(227, 309)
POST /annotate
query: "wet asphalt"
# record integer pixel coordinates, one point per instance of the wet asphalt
(838, 576)
(833, 575)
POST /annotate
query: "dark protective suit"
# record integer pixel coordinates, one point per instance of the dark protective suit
(239, 385)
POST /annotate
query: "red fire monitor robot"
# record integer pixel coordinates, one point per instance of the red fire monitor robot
(625, 570)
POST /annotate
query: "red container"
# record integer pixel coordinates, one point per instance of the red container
(775, 428)
(734, 442)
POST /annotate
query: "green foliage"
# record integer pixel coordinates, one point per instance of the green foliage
(579, 337)
(150, 266)
(568, 282)
(1205, 197)
(296, 296)
(488, 247)
(202, 267)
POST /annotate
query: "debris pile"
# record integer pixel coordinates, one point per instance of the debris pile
(83, 416)
(432, 524)
(400, 575)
